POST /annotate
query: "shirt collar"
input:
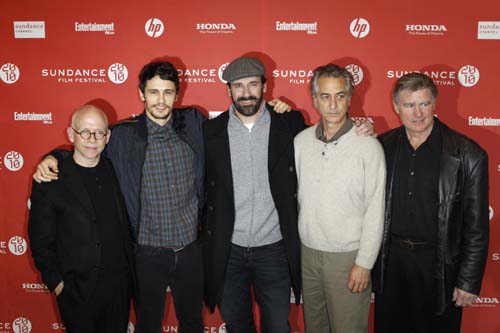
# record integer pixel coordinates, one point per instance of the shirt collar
(156, 131)
(343, 130)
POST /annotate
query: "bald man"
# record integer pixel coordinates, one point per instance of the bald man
(79, 235)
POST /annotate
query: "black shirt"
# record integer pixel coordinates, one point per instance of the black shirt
(98, 181)
(415, 189)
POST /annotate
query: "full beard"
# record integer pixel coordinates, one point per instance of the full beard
(248, 110)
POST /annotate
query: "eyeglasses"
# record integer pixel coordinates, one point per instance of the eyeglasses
(86, 134)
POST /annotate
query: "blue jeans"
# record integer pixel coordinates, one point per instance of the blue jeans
(266, 269)
(158, 268)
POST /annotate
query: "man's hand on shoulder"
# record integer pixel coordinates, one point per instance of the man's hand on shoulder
(280, 106)
(364, 128)
(46, 170)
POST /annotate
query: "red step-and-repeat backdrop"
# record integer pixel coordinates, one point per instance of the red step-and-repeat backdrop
(58, 55)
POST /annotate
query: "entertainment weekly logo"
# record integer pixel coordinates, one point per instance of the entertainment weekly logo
(467, 76)
(117, 73)
(19, 325)
(215, 28)
(45, 118)
(29, 29)
(303, 76)
(488, 30)
(359, 27)
(484, 121)
(9, 73)
(154, 27)
(426, 29)
(310, 28)
(107, 28)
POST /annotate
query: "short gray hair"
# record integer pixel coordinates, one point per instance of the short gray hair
(335, 71)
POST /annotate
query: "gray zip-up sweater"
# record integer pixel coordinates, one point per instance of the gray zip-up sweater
(256, 219)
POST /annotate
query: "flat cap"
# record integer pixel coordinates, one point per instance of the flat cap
(243, 67)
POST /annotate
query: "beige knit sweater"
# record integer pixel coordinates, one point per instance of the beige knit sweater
(341, 194)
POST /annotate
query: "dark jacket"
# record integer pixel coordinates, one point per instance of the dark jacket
(127, 150)
(463, 223)
(220, 197)
(64, 238)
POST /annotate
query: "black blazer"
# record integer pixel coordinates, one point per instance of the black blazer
(64, 237)
(220, 197)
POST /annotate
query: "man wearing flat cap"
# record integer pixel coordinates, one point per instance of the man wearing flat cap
(251, 234)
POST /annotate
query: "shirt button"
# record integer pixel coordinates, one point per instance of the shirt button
(412, 173)
(413, 155)
(409, 193)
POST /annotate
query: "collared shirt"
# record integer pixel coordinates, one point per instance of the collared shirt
(169, 204)
(415, 189)
(320, 135)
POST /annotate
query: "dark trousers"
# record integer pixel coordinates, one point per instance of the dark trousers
(266, 269)
(182, 271)
(106, 311)
(407, 303)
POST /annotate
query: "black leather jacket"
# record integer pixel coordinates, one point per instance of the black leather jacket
(463, 222)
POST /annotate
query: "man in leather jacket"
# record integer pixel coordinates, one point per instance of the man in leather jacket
(436, 230)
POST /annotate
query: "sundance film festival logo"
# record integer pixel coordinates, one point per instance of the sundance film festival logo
(356, 72)
(311, 28)
(198, 75)
(217, 329)
(13, 160)
(29, 29)
(221, 71)
(467, 76)
(359, 27)
(17, 245)
(9, 73)
(488, 30)
(116, 73)
(426, 29)
(293, 75)
(492, 213)
(216, 28)
(107, 28)
(21, 325)
(154, 27)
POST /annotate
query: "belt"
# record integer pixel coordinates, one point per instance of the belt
(411, 244)
(162, 249)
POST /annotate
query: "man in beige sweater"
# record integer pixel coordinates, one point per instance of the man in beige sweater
(341, 179)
